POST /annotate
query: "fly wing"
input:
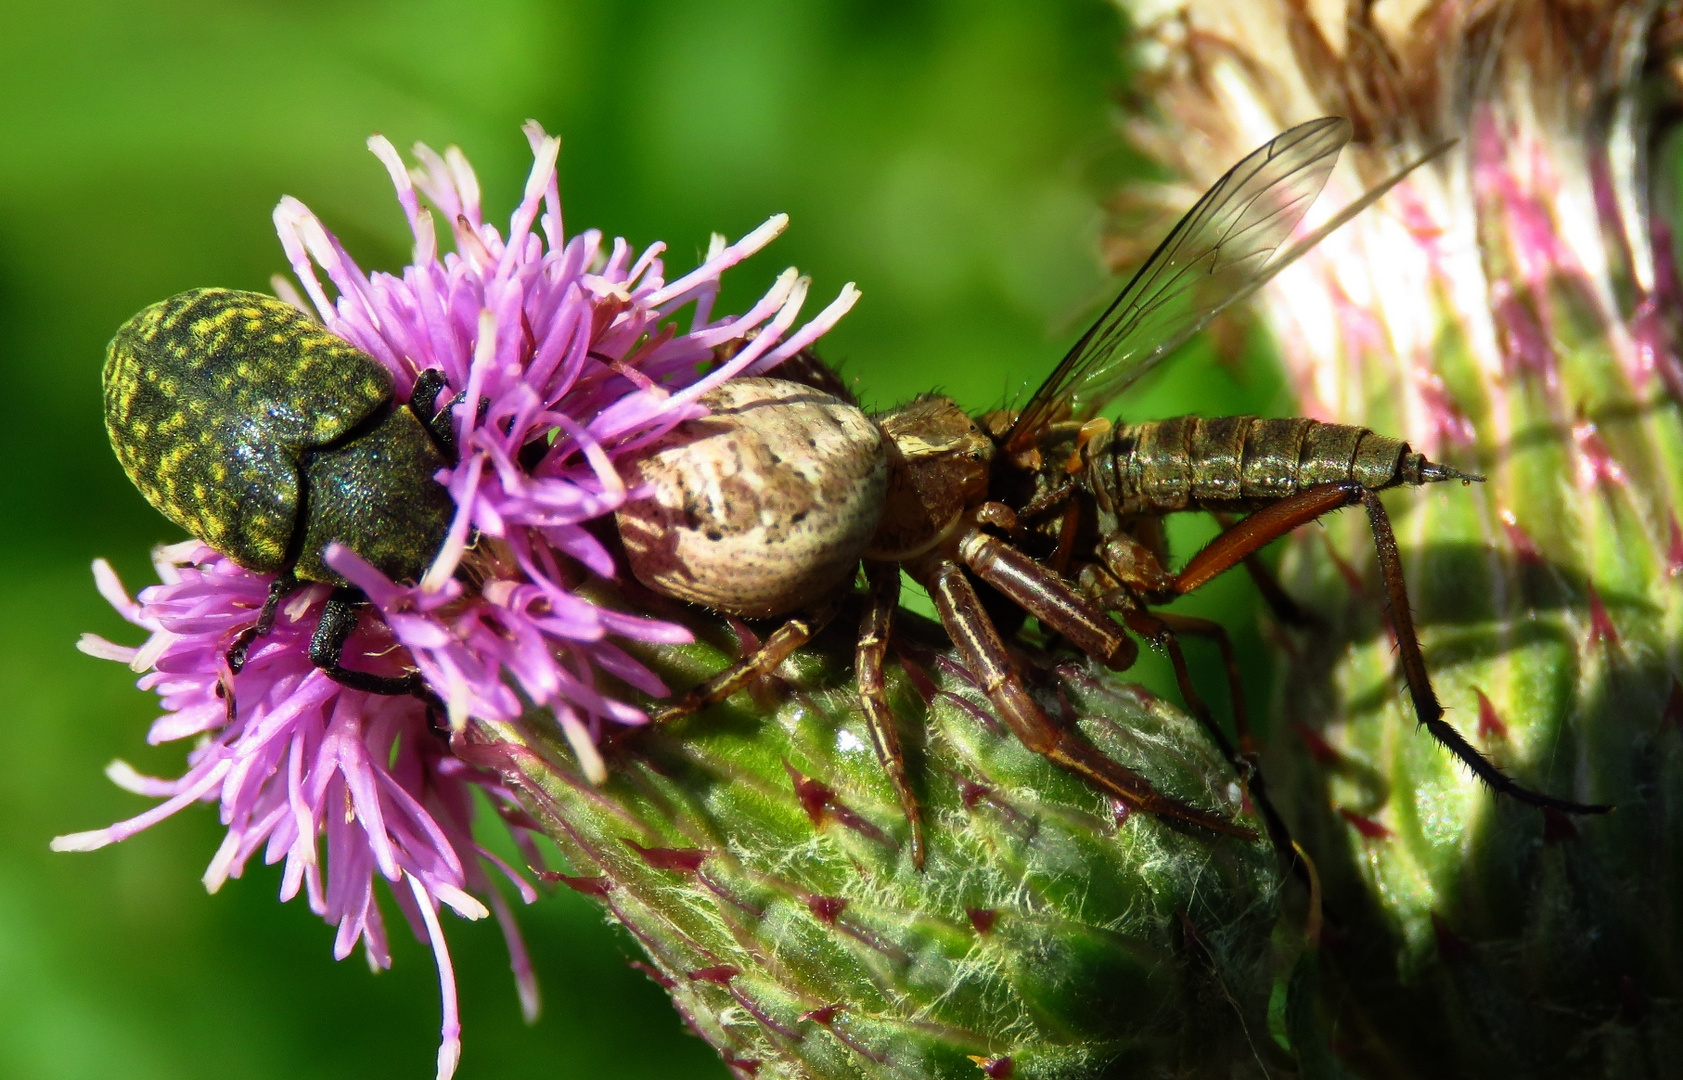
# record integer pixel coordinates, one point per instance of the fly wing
(1218, 253)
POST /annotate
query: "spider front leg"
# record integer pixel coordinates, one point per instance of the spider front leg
(967, 623)
(874, 632)
(1043, 593)
(777, 648)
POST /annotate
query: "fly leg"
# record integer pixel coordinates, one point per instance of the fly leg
(1134, 573)
(763, 661)
(1162, 628)
(1272, 522)
(1426, 706)
(873, 694)
(1274, 594)
(984, 653)
(1213, 631)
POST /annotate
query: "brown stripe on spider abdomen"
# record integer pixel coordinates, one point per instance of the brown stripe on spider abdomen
(1242, 462)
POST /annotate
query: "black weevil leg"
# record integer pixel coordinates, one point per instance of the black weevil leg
(437, 421)
(284, 585)
(327, 647)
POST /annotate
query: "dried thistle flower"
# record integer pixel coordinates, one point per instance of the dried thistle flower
(1512, 308)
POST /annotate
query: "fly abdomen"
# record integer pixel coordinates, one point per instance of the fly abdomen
(1244, 462)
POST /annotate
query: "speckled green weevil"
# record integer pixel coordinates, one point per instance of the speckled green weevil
(268, 438)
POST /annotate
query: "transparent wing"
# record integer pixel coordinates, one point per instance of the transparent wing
(1218, 253)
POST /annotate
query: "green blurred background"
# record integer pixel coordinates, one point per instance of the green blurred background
(951, 157)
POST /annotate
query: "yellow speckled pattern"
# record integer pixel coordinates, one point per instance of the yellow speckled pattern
(212, 399)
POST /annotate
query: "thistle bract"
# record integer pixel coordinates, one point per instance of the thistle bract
(757, 854)
(1511, 308)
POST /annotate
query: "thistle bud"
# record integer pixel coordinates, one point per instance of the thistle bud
(1512, 309)
(758, 855)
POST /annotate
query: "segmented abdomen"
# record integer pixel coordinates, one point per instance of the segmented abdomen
(1240, 462)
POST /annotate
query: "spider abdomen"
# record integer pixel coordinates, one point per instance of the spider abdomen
(760, 508)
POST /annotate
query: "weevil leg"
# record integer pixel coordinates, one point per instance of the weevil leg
(327, 648)
(1426, 706)
(777, 648)
(874, 629)
(967, 623)
(423, 398)
(284, 585)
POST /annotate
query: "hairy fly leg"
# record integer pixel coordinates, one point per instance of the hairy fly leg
(1265, 526)
(1426, 706)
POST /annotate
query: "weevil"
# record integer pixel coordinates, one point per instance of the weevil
(267, 437)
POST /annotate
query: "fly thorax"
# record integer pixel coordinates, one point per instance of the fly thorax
(938, 461)
(759, 508)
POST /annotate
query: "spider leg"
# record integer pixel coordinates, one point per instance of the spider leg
(1044, 593)
(777, 648)
(967, 623)
(874, 629)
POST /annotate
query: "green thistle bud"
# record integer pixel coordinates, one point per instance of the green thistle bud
(757, 854)
(1511, 308)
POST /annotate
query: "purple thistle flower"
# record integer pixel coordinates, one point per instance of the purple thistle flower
(560, 358)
